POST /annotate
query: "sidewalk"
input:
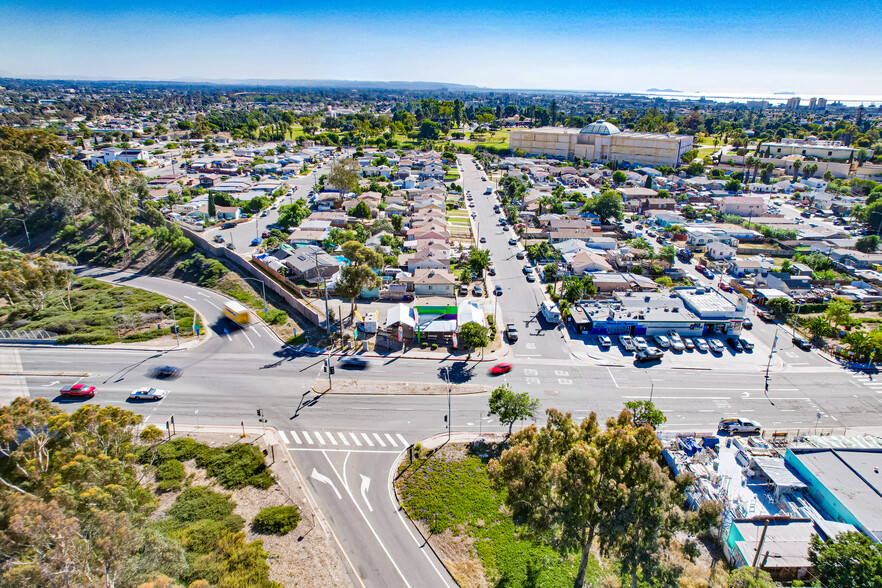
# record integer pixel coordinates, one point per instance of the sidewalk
(165, 343)
(413, 353)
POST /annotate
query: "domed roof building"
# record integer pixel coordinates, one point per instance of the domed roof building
(600, 127)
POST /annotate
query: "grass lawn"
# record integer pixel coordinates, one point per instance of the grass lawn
(451, 177)
(100, 314)
(705, 151)
(452, 490)
(296, 131)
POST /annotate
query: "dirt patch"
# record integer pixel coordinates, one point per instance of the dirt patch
(394, 388)
(458, 554)
(307, 556)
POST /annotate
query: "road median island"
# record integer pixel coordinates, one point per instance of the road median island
(367, 387)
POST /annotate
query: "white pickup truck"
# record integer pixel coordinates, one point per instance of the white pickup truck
(739, 425)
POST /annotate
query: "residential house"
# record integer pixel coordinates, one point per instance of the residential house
(855, 259)
(228, 212)
(311, 264)
(432, 282)
(720, 250)
(584, 262)
(743, 205)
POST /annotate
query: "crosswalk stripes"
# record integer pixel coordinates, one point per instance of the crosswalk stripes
(339, 439)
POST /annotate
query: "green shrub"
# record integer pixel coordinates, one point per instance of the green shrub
(298, 339)
(276, 520)
(100, 338)
(236, 466)
(68, 233)
(199, 502)
(203, 536)
(170, 474)
(274, 316)
(181, 449)
(206, 271)
(434, 347)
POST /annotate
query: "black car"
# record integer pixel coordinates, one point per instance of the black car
(747, 324)
(166, 372)
(353, 363)
(802, 343)
(746, 344)
(651, 354)
(735, 344)
(229, 225)
(498, 290)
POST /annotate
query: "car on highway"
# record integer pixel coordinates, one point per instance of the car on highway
(511, 332)
(353, 363)
(497, 290)
(148, 393)
(739, 425)
(701, 345)
(512, 241)
(531, 278)
(649, 354)
(627, 342)
(662, 341)
(715, 346)
(478, 290)
(500, 368)
(78, 391)
(640, 344)
(735, 344)
(688, 343)
(166, 372)
(604, 341)
(803, 344)
(483, 239)
(747, 344)
(747, 323)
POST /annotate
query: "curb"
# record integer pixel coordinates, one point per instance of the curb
(376, 355)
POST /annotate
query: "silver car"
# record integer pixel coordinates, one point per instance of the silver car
(640, 343)
(148, 393)
(662, 341)
(715, 346)
(701, 344)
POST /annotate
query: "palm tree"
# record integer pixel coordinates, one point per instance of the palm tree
(796, 165)
(748, 164)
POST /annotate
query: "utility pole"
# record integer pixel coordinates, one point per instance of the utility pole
(175, 326)
(769, 365)
(449, 414)
(315, 255)
(796, 318)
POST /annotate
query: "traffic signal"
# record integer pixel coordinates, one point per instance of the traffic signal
(331, 370)
(259, 412)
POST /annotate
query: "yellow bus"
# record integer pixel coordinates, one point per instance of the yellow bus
(236, 313)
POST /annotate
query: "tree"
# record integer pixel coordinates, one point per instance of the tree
(511, 407)
(574, 288)
(212, 208)
(565, 479)
(606, 206)
(479, 259)
(796, 165)
(839, 312)
(688, 212)
(828, 176)
(696, 168)
(748, 577)
(667, 253)
(291, 215)
(648, 182)
(397, 222)
(361, 210)
(550, 272)
(358, 254)
(780, 306)
(353, 279)
(645, 412)
(819, 327)
(851, 559)
(344, 175)
(867, 244)
(619, 176)
(473, 336)
(34, 278)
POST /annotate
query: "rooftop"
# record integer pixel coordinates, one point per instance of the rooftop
(600, 127)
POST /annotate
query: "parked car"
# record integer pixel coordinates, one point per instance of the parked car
(715, 346)
(353, 363)
(230, 246)
(148, 393)
(521, 255)
(527, 269)
(478, 290)
(497, 290)
(747, 324)
(218, 238)
(701, 345)
(512, 241)
(700, 267)
(511, 332)
(640, 344)
(739, 425)
(627, 342)
(491, 270)
(746, 343)
(767, 316)
(802, 343)
(688, 343)
(464, 290)
(735, 344)
(78, 391)
(604, 341)
(228, 225)
(255, 242)
(265, 235)
(649, 354)
(677, 345)
(483, 239)
(531, 278)
(500, 368)
(662, 341)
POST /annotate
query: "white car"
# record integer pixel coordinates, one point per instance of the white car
(715, 346)
(677, 344)
(640, 343)
(663, 341)
(604, 341)
(148, 394)
(626, 342)
(739, 425)
(701, 344)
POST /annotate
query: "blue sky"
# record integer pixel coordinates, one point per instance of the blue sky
(740, 47)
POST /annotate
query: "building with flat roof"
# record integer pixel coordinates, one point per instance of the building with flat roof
(808, 147)
(602, 141)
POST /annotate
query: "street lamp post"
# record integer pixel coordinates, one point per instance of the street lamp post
(651, 384)
(449, 415)
(175, 328)
(27, 235)
(264, 293)
(796, 318)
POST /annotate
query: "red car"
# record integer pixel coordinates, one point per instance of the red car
(78, 390)
(700, 267)
(500, 368)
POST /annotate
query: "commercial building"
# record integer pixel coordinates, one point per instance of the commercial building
(808, 147)
(743, 205)
(689, 311)
(603, 142)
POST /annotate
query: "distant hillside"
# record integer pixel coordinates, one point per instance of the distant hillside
(336, 84)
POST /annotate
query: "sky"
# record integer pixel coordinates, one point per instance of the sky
(741, 47)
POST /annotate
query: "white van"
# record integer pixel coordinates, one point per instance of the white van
(550, 312)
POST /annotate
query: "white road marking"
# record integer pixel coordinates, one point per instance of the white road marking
(616, 384)
(365, 486)
(561, 373)
(213, 304)
(379, 440)
(331, 439)
(533, 381)
(530, 372)
(368, 440)
(307, 437)
(403, 440)
(256, 332)
(391, 441)
(318, 436)
(249, 339)
(565, 381)
(284, 438)
(296, 437)
(343, 438)
(189, 298)
(325, 480)
(354, 438)
(203, 294)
